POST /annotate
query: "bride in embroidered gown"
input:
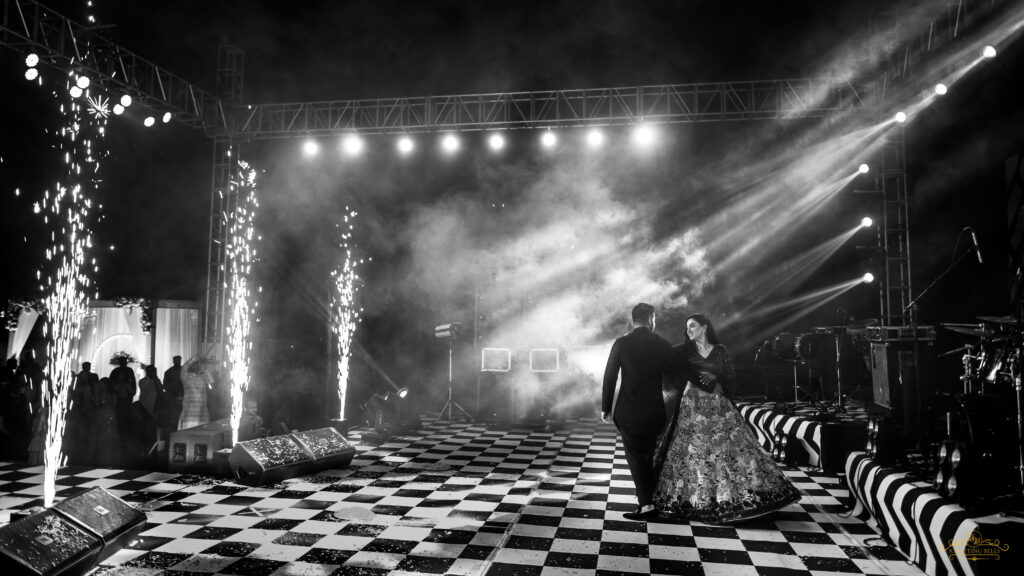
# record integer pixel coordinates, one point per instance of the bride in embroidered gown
(709, 465)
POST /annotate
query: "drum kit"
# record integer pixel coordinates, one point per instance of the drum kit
(985, 420)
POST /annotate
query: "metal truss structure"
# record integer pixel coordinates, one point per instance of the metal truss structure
(676, 103)
(953, 21)
(26, 26)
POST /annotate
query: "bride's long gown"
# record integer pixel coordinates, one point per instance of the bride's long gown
(710, 466)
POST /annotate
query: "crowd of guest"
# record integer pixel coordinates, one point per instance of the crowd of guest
(118, 421)
(114, 420)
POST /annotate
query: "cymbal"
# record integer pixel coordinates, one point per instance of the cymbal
(999, 319)
(969, 329)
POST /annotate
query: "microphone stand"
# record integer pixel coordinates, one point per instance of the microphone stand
(942, 275)
(915, 440)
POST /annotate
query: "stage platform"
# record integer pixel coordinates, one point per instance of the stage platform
(826, 443)
(462, 499)
(935, 533)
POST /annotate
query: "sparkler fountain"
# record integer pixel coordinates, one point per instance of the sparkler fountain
(240, 255)
(344, 315)
(66, 209)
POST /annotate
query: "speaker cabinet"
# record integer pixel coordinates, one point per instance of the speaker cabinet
(837, 441)
(902, 386)
(47, 543)
(116, 522)
(269, 460)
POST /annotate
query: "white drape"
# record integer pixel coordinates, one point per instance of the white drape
(140, 344)
(19, 336)
(105, 332)
(175, 333)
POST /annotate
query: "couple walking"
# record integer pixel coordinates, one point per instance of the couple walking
(691, 455)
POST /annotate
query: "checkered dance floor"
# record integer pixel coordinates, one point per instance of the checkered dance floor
(462, 499)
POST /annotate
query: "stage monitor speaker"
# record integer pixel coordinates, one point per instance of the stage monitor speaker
(47, 543)
(837, 441)
(328, 446)
(115, 521)
(268, 460)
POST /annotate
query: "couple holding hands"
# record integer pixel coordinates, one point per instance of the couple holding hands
(691, 454)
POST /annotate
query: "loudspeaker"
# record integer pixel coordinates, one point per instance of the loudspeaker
(115, 521)
(47, 543)
(837, 441)
(275, 458)
(884, 375)
(901, 385)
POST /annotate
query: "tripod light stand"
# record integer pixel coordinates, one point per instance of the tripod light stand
(449, 332)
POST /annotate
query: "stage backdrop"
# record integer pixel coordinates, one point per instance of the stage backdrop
(109, 328)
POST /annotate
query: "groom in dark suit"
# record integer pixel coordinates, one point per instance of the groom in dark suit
(643, 357)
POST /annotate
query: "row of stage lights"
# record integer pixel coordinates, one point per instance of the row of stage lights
(352, 145)
(644, 135)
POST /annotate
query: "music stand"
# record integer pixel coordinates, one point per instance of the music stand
(450, 332)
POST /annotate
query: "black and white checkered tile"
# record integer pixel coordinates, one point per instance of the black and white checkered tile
(461, 499)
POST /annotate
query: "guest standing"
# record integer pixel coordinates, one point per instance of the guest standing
(106, 439)
(196, 382)
(123, 380)
(174, 394)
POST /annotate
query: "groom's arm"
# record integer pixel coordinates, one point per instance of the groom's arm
(611, 376)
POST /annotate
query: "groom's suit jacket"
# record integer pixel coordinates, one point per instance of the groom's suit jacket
(643, 358)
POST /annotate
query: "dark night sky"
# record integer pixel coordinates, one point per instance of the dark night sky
(156, 182)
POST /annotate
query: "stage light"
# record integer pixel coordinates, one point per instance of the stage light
(75, 91)
(941, 89)
(863, 168)
(595, 138)
(988, 52)
(126, 100)
(496, 142)
(548, 139)
(450, 143)
(310, 148)
(149, 121)
(167, 117)
(901, 117)
(32, 60)
(866, 222)
(868, 278)
(118, 109)
(352, 144)
(31, 74)
(405, 145)
(82, 82)
(643, 135)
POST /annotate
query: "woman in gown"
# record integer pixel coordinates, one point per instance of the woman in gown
(196, 381)
(710, 467)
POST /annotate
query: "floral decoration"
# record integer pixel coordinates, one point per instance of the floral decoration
(145, 305)
(115, 360)
(13, 306)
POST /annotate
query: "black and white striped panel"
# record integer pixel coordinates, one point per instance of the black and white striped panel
(911, 515)
(766, 422)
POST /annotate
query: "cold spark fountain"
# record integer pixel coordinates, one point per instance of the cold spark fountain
(344, 315)
(240, 255)
(66, 210)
